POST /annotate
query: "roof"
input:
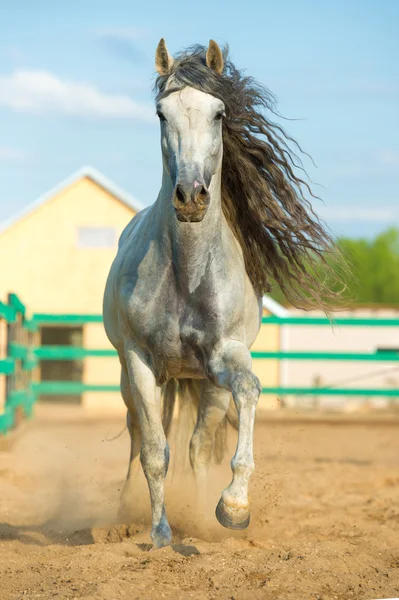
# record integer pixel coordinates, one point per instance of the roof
(87, 171)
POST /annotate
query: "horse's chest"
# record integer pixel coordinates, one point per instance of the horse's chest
(177, 341)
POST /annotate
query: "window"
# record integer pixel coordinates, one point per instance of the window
(96, 237)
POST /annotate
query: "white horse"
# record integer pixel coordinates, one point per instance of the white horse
(183, 297)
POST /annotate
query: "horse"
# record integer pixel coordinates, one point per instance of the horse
(183, 299)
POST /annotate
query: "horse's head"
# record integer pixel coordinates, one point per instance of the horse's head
(191, 136)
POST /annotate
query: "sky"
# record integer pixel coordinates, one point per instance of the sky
(76, 83)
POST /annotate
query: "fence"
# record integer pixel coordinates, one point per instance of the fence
(20, 365)
(17, 370)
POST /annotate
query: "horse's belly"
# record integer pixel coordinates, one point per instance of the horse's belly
(184, 364)
(192, 369)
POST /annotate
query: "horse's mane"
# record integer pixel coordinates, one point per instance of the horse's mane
(263, 199)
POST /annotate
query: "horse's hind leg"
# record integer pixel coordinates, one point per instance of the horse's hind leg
(212, 409)
(231, 369)
(154, 452)
(133, 425)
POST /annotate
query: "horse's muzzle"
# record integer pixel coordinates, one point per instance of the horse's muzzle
(191, 202)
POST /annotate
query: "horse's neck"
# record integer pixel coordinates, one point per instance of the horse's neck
(194, 246)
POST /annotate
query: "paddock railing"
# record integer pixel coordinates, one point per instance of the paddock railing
(19, 396)
(21, 364)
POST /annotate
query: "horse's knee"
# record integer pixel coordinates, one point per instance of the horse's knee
(154, 458)
(246, 387)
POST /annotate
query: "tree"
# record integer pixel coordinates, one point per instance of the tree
(375, 268)
(373, 276)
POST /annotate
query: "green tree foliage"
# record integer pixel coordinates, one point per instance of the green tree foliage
(375, 268)
(373, 276)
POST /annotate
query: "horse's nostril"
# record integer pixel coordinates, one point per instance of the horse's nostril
(191, 196)
(180, 195)
(203, 191)
(202, 196)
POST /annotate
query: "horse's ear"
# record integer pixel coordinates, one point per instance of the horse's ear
(214, 57)
(163, 60)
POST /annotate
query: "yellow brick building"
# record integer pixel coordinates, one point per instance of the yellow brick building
(56, 256)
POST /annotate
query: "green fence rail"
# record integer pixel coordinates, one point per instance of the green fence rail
(358, 356)
(331, 391)
(71, 387)
(7, 312)
(345, 321)
(7, 366)
(20, 397)
(65, 319)
(58, 352)
(76, 353)
(23, 356)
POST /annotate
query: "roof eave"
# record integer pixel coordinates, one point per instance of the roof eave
(86, 171)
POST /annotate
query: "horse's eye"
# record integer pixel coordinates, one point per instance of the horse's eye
(161, 116)
(219, 116)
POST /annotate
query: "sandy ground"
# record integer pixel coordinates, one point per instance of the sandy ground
(325, 518)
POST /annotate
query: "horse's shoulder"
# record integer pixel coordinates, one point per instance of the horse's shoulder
(132, 226)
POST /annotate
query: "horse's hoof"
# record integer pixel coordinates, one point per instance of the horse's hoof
(232, 518)
(161, 536)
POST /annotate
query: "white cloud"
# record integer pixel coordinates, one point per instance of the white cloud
(314, 84)
(390, 158)
(10, 154)
(41, 92)
(339, 214)
(368, 164)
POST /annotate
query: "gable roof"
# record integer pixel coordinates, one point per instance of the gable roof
(90, 173)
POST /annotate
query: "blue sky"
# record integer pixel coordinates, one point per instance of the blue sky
(76, 79)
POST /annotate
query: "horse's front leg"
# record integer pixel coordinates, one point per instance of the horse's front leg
(154, 452)
(230, 368)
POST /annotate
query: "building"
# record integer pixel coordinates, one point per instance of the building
(56, 255)
(361, 339)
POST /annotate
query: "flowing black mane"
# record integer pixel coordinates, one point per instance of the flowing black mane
(263, 199)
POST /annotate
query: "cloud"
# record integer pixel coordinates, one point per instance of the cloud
(41, 92)
(122, 42)
(342, 88)
(390, 158)
(368, 164)
(10, 154)
(339, 214)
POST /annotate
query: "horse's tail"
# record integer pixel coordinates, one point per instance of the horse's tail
(186, 393)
